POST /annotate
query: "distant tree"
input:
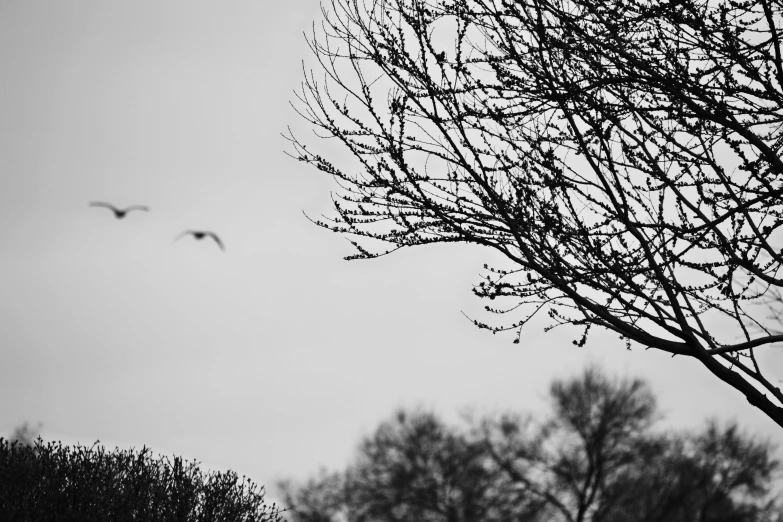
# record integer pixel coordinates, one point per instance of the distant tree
(320, 499)
(55, 482)
(717, 475)
(26, 434)
(413, 468)
(597, 459)
(623, 156)
(594, 460)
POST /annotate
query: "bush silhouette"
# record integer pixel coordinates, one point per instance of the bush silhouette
(55, 482)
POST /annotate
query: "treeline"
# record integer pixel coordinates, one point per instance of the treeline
(597, 457)
(52, 482)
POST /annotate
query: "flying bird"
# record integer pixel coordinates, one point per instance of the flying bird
(119, 213)
(201, 234)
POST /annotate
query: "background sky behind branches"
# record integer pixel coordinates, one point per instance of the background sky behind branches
(271, 358)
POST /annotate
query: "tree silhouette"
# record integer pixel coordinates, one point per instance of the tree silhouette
(595, 459)
(623, 157)
(413, 468)
(717, 475)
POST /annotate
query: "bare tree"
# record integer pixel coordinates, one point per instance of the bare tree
(594, 459)
(414, 467)
(623, 156)
(599, 429)
(597, 460)
(719, 475)
(320, 499)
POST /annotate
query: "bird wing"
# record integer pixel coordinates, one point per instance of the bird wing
(138, 207)
(104, 205)
(217, 239)
(182, 234)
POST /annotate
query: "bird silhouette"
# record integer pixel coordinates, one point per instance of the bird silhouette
(201, 234)
(119, 213)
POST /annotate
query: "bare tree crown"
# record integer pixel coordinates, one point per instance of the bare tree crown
(623, 155)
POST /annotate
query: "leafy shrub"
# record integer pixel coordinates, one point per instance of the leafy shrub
(55, 482)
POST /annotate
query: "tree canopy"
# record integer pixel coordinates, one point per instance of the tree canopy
(622, 155)
(594, 459)
(55, 482)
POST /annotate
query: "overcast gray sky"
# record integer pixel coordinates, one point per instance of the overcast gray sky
(271, 358)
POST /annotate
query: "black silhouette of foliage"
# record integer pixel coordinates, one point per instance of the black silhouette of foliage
(622, 155)
(716, 475)
(595, 459)
(55, 482)
(320, 499)
(413, 468)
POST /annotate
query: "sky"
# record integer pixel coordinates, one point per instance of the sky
(274, 357)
